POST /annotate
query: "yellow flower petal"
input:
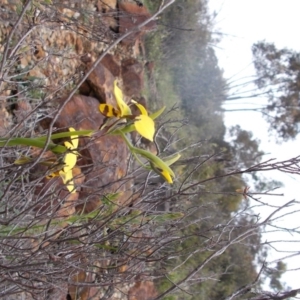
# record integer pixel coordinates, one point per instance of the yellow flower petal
(69, 160)
(109, 111)
(67, 178)
(163, 173)
(167, 176)
(140, 107)
(74, 139)
(123, 107)
(144, 125)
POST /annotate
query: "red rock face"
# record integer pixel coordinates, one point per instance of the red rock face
(132, 73)
(106, 5)
(110, 63)
(101, 82)
(108, 11)
(103, 160)
(142, 290)
(130, 16)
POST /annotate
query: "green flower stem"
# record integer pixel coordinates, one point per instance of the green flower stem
(154, 159)
(127, 129)
(40, 141)
(115, 127)
(68, 134)
(40, 228)
(151, 157)
(156, 114)
(139, 161)
(130, 146)
(122, 134)
(32, 142)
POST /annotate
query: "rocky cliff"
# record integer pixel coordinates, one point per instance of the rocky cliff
(46, 49)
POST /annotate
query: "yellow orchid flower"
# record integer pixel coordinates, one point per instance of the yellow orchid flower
(144, 125)
(67, 178)
(140, 107)
(163, 168)
(62, 167)
(123, 109)
(166, 176)
(157, 165)
(70, 160)
(163, 172)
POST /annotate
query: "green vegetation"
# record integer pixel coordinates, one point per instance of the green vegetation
(187, 75)
(170, 205)
(278, 77)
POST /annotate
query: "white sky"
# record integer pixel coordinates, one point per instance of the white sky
(245, 22)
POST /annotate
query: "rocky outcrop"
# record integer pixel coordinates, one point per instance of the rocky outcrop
(103, 159)
(100, 83)
(112, 64)
(108, 11)
(106, 6)
(52, 61)
(130, 16)
(132, 73)
(142, 290)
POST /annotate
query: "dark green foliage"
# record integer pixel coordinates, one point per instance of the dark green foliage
(187, 71)
(245, 148)
(275, 275)
(187, 54)
(278, 74)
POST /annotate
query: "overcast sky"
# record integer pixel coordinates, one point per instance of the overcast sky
(245, 22)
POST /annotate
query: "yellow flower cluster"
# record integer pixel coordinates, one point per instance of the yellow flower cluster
(144, 125)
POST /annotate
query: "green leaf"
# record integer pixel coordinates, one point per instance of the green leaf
(32, 142)
(67, 134)
(157, 113)
(171, 160)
